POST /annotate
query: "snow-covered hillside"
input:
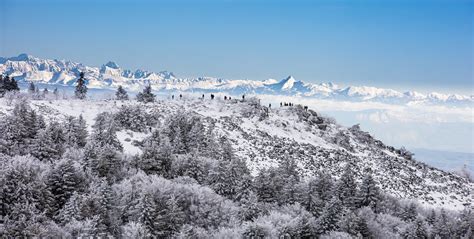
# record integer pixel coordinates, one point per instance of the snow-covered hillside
(265, 136)
(61, 72)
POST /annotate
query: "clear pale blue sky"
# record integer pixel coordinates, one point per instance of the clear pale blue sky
(422, 44)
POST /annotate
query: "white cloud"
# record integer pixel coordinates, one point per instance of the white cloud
(382, 112)
(411, 125)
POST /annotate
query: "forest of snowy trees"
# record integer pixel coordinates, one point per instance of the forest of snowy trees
(60, 180)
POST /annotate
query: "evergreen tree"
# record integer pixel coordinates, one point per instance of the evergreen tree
(324, 185)
(310, 199)
(331, 214)
(70, 135)
(121, 94)
(431, 218)
(25, 221)
(368, 194)
(19, 130)
(34, 123)
(100, 205)
(268, 185)
(162, 216)
(146, 96)
(290, 177)
(81, 132)
(10, 84)
(107, 164)
(466, 224)
(57, 135)
(43, 148)
(2, 86)
(409, 213)
(416, 230)
(71, 210)
(9, 144)
(133, 118)
(75, 132)
(441, 228)
(21, 187)
(251, 208)
(62, 181)
(362, 227)
(156, 157)
(81, 88)
(226, 151)
(354, 224)
(6, 83)
(13, 86)
(134, 230)
(56, 93)
(230, 179)
(104, 132)
(32, 88)
(346, 188)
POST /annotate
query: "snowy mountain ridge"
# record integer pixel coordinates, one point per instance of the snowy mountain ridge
(110, 75)
(264, 137)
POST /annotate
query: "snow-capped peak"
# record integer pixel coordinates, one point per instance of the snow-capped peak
(270, 81)
(21, 57)
(414, 95)
(167, 74)
(112, 65)
(288, 83)
(25, 67)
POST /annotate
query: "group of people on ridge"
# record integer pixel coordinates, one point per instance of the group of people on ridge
(212, 97)
(243, 98)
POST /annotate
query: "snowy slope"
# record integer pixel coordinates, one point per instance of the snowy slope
(110, 75)
(264, 137)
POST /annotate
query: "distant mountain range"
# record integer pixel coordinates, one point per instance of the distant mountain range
(62, 72)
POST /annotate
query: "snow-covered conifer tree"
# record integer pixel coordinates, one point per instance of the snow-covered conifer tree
(62, 181)
(121, 94)
(368, 194)
(416, 230)
(146, 96)
(346, 187)
(31, 88)
(43, 147)
(81, 88)
(104, 131)
(330, 216)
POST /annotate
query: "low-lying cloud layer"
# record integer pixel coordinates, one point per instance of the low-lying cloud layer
(413, 125)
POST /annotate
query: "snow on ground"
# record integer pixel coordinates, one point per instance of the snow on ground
(255, 140)
(126, 137)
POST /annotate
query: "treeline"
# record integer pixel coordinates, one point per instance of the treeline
(7, 84)
(59, 180)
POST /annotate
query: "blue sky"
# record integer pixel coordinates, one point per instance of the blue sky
(421, 44)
